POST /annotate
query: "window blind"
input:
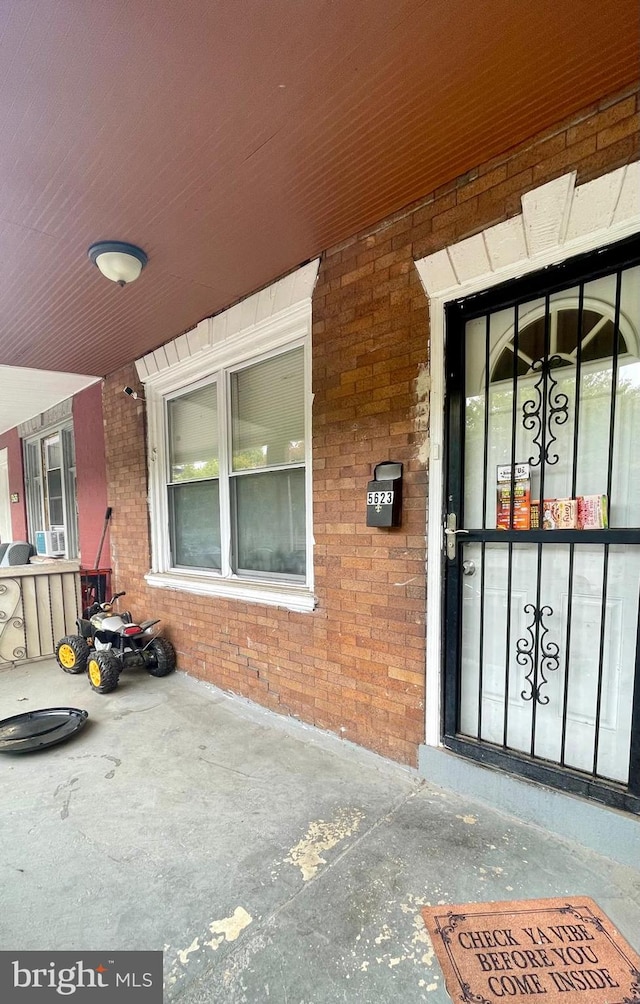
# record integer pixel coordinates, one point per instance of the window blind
(193, 434)
(267, 408)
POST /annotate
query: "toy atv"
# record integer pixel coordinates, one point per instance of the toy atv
(107, 643)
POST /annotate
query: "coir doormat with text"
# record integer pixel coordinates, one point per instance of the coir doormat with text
(566, 950)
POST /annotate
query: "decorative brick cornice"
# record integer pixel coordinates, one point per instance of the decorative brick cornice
(244, 318)
(557, 221)
(54, 416)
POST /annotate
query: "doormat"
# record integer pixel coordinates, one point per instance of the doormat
(565, 949)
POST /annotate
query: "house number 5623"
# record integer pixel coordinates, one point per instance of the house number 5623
(379, 498)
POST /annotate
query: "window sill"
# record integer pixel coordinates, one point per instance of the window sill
(297, 598)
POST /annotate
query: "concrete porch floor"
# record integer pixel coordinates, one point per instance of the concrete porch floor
(268, 860)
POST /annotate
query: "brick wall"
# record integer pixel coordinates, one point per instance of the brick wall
(355, 665)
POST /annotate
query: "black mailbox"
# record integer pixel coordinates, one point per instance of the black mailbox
(384, 495)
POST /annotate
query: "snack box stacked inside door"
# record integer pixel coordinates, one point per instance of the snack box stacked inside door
(586, 512)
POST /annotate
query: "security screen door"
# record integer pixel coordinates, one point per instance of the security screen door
(542, 570)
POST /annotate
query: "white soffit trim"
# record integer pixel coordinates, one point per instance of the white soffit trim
(25, 393)
(558, 220)
(246, 318)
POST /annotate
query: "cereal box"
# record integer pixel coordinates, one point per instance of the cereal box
(521, 482)
(592, 512)
(560, 514)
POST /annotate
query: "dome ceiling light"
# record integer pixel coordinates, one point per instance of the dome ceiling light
(118, 261)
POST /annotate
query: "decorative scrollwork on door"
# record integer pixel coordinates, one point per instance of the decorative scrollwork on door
(543, 415)
(537, 645)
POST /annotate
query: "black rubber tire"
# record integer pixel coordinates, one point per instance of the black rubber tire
(103, 670)
(164, 657)
(73, 645)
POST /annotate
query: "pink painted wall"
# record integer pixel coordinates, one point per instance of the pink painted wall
(91, 474)
(11, 441)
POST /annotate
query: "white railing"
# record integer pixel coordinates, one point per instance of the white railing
(39, 604)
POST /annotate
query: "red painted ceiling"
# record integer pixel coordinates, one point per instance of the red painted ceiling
(235, 139)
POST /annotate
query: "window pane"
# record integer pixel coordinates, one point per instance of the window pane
(70, 492)
(193, 435)
(52, 447)
(54, 480)
(195, 524)
(267, 405)
(33, 487)
(56, 516)
(54, 491)
(270, 522)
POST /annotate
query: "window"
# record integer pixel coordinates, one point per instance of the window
(194, 478)
(572, 329)
(229, 441)
(53, 480)
(50, 486)
(256, 487)
(268, 466)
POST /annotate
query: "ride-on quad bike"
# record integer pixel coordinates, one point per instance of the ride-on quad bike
(108, 642)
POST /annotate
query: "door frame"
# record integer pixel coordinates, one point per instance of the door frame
(558, 221)
(582, 269)
(4, 465)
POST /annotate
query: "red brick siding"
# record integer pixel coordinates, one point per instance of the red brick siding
(356, 665)
(88, 431)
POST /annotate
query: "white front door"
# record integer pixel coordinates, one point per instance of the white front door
(542, 619)
(5, 500)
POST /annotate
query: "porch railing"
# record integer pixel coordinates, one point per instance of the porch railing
(38, 605)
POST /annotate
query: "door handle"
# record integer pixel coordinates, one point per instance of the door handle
(451, 535)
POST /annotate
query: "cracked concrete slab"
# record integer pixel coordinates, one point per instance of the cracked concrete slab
(267, 860)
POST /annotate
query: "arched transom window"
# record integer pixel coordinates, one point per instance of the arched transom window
(587, 333)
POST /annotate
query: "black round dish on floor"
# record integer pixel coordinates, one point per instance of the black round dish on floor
(36, 730)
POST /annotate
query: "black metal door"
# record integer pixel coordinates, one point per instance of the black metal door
(542, 570)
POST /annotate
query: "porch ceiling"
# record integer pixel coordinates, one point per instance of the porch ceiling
(235, 141)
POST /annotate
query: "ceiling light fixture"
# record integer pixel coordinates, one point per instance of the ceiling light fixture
(120, 262)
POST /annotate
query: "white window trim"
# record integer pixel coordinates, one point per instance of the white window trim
(558, 221)
(262, 325)
(37, 439)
